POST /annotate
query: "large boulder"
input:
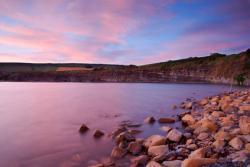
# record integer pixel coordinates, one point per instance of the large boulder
(244, 124)
(188, 119)
(155, 140)
(157, 150)
(197, 162)
(174, 135)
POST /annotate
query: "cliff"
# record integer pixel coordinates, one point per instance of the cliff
(216, 68)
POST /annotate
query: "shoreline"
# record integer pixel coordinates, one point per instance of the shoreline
(216, 133)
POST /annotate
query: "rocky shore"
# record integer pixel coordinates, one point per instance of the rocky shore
(216, 133)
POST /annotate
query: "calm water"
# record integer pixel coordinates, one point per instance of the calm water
(39, 122)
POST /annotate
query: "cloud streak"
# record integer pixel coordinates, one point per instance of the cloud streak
(124, 31)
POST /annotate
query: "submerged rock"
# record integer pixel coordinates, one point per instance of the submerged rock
(149, 120)
(166, 120)
(83, 128)
(98, 133)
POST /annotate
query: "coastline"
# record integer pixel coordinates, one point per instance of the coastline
(216, 133)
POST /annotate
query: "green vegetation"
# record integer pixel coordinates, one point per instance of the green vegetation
(240, 79)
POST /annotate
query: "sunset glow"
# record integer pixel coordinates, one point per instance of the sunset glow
(120, 31)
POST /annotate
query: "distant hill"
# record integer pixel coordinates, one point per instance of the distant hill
(216, 68)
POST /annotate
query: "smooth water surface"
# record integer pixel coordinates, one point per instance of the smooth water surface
(39, 122)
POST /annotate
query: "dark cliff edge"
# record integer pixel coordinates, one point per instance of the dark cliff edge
(216, 68)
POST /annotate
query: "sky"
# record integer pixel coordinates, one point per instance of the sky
(121, 31)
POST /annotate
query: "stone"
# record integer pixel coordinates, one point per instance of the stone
(236, 143)
(204, 102)
(244, 124)
(189, 141)
(245, 108)
(157, 150)
(174, 135)
(211, 125)
(247, 146)
(155, 140)
(222, 135)
(166, 120)
(134, 131)
(119, 130)
(199, 153)
(124, 136)
(83, 128)
(175, 163)
(139, 161)
(192, 147)
(149, 120)
(189, 105)
(202, 136)
(153, 164)
(165, 128)
(197, 162)
(98, 133)
(188, 119)
(187, 135)
(218, 114)
(97, 165)
(118, 152)
(135, 147)
(218, 145)
(239, 156)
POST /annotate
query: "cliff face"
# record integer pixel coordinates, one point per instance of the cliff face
(216, 68)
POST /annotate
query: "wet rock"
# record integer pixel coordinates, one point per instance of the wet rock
(124, 136)
(166, 120)
(153, 164)
(244, 124)
(135, 147)
(245, 108)
(222, 135)
(218, 114)
(189, 105)
(188, 119)
(98, 133)
(203, 136)
(119, 130)
(134, 131)
(118, 152)
(203, 102)
(174, 135)
(192, 147)
(236, 143)
(240, 156)
(165, 128)
(139, 161)
(211, 125)
(83, 128)
(175, 163)
(157, 150)
(197, 162)
(155, 140)
(174, 107)
(149, 120)
(199, 153)
(218, 145)
(247, 147)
